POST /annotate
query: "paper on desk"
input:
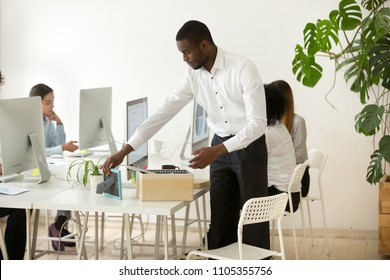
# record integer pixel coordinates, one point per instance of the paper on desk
(11, 190)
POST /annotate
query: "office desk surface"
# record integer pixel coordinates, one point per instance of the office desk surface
(36, 192)
(81, 199)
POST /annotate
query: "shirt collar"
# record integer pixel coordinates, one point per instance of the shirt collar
(218, 63)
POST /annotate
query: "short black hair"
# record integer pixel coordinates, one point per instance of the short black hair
(276, 104)
(195, 32)
(40, 90)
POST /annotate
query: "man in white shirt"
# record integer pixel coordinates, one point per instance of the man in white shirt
(231, 91)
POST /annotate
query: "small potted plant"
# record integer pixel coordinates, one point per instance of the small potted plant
(85, 168)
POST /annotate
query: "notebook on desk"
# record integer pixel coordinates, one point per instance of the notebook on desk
(11, 190)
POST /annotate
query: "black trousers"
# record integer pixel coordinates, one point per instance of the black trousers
(15, 232)
(305, 182)
(235, 178)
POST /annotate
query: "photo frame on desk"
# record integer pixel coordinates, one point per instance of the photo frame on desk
(112, 185)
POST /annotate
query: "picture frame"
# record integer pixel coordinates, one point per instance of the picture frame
(112, 185)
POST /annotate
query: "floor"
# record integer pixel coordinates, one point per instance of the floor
(343, 245)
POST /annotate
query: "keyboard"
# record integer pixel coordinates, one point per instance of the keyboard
(169, 171)
(9, 178)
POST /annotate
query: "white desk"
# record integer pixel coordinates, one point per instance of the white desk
(26, 200)
(81, 199)
(57, 193)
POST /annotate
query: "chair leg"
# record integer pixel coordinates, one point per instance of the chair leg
(325, 227)
(309, 219)
(294, 236)
(303, 229)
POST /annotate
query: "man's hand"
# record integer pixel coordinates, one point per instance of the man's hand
(116, 159)
(205, 156)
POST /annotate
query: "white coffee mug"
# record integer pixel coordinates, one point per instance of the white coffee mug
(157, 146)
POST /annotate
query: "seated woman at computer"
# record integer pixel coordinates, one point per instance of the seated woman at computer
(281, 153)
(15, 231)
(55, 139)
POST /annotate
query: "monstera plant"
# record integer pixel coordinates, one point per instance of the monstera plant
(356, 38)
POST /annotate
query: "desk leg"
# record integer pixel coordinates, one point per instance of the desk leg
(157, 238)
(82, 229)
(165, 227)
(28, 234)
(96, 235)
(199, 223)
(174, 243)
(102, 232)
(184, 241)
(35, 232)
(206, 242)
(128, 236)
(121, 254)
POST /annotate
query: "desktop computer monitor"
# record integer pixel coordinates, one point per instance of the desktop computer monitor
(136, 113)
(22, 140)
(199, 131)
(95, 119)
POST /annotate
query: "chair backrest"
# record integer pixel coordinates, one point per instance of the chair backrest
(317, 159)
(296, 178)
(263, 209)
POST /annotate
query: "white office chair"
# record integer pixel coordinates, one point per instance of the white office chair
(2, 244)
(255, 210)
(317, 160)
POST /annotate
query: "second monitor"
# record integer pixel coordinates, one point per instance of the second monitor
(136, 113)
(200, 131)
(95, 119)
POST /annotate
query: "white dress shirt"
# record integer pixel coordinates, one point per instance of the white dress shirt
(232, 94)
(298, 134)
(281, 157)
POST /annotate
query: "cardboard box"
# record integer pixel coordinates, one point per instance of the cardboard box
(201, 183)
(165, 187)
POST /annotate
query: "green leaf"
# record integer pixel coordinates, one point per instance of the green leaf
(326, 32)
(374, 170)
(369, 119)
(371, 4)
(350, 14)
(309, 36)
(380, 60)
(384, 147)
(305, 68)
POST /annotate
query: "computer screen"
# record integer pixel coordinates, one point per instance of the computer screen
(95, 119)
(22, 140)
(200, 129)
(199, 132)
(136, 113)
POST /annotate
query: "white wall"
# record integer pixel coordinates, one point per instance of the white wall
(130, 45)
